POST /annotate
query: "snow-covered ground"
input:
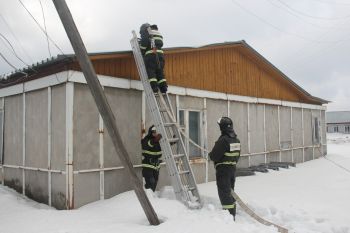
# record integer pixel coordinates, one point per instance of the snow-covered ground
(313, 197)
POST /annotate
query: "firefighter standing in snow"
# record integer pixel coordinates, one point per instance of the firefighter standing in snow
(151, 48)
(225, 155)
(151, 153)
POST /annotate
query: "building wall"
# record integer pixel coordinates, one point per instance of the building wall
(98, 172)
(35, 122)
(337, 128)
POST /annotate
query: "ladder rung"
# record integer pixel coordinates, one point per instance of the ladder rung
(183, 172)
(173, 139)
(178, 156)
(163, 110)
(191, 188)
(169, 124)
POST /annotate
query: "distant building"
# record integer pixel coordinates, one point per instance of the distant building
(338, 122)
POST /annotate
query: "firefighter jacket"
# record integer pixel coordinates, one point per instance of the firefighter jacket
(151, 152)
(151, 42)
(226, 150)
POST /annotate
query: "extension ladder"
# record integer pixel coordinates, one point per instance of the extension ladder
(173, 149)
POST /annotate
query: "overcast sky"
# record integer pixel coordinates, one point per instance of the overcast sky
(308, 40)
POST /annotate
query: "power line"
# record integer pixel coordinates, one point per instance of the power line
(277, 28)
(301, 18)
(41, 28)
(13, 34)
(13, 50)
(333, 2)
(7, 61)
(47, 38)
(312, 16)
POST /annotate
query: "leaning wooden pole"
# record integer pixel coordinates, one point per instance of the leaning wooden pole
(102, 105)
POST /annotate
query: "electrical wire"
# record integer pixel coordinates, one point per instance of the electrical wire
(7, 61)
(312, 16)
(14, 35)
(14, 51)
(47, 38)
(301, 18)
(277, 28)
(41, 28)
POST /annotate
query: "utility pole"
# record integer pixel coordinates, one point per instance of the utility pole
(102, 105)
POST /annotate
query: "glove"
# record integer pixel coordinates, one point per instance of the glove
(157, 138)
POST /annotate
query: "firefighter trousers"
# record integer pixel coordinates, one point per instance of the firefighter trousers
(155, 70)
(151, 178)
(225, 181)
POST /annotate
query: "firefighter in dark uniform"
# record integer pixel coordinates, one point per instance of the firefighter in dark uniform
(151, 152)
(151, 48)
(225, 155)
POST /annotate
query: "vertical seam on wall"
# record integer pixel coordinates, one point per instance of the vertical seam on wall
(205, 141)
(69, 144)
(302, 128)
(101, 156)
(248, 135)
(279, 132)
(291, 132)
(265, 146)
(24, 143)
(49, 120)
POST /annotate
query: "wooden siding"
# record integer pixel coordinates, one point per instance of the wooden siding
(228, 69)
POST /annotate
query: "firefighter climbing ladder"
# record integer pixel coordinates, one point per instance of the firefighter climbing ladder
(173, 148)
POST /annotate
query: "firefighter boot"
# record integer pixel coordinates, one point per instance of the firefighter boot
(233, 212)
(163, 87)
(154, 87)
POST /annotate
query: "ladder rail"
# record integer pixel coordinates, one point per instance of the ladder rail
(184, 183)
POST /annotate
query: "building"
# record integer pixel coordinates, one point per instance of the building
(55, 149)
(338, 122)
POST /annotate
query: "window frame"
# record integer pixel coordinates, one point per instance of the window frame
(185, 128)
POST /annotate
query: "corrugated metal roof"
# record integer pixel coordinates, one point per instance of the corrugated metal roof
(338, 117)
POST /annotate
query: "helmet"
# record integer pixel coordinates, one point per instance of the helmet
(152, 129)
(143, 28)
(225, 122)
(154, 27)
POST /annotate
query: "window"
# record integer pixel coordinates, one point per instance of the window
(347, 129)
(335, 129)
(190, 123)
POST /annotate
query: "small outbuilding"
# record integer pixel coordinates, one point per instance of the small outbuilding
(55, 149)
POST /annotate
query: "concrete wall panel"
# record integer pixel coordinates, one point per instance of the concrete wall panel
(58, 191)
(13, 178)
(199, 172)
(286, 156)
(297, 128)
(36, 128)
(215, 110)
(239, 115)
(86, 188)
(85, 129)
(256, 125)
(257, 159)
(13, 129)
(164, 178)
(308, 154)
(243, 162)
(286, 141)
(298, 155)
(126, 106)
(273, 157)
(117, 181)
(211, 172)
(307, 127)
(189, 102)
(272, 142)
(58, 127)
(37, 186)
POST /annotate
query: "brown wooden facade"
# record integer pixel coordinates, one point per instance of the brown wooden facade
(232, 68)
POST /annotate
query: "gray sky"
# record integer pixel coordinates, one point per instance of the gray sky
(308, 40)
